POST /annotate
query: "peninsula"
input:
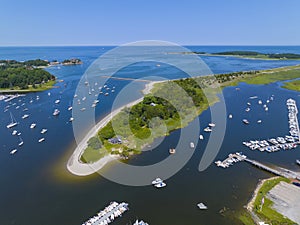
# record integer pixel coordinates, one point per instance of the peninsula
(24, 76)
(104, 142)
(29, 76)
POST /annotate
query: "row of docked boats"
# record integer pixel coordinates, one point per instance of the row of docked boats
(293, 120)
(109, 214)
(231, 159)
(273, 144)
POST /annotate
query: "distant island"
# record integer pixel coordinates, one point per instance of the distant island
(105, 142)
(252, 55)
(68, 62)
(29, 76)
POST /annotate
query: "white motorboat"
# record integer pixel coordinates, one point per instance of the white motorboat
(157, 181)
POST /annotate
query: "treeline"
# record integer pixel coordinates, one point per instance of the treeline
(14, 74)
(257, 54)
(163, 104)
(4, 64)
(242, 53)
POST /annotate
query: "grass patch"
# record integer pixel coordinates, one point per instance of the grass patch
(265, 211)
(292, 85)
(38, 88)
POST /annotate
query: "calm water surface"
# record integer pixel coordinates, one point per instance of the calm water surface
(36, 188)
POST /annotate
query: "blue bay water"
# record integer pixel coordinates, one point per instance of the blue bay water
(36, 188)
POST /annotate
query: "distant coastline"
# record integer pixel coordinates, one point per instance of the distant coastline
(248, 55)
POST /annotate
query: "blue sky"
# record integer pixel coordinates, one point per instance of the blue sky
(113, 22)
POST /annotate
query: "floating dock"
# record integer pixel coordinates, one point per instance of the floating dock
(231, 159)
(107, 215)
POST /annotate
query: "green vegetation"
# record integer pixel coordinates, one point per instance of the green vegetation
(265, 211)
(292, 85)
(156, 117)
(252, 55)
(71, 62)
(245, 218)
(16, 75)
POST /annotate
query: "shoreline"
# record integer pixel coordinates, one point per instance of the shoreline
(75, 166)
(250, 204)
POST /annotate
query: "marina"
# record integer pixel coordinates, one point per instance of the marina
(108, 215)
(286, 142)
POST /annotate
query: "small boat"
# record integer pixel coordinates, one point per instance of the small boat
(245, 121)
(33, 125)
(19, 133)
(83, 99)
(21, 142)
(106, 94)
(57, 101)
(49, 93)
(192, 145)
(260, 102)
(201, 137)
(157, 181)
(13, 151)
(56, 112)
(201, 206)
(211, 124)
(207, 129)
(247, 110)
(160, 185)
(266, 109)
(70, 108)
(25, 116)
(83, 109)
(43, 131)
(259, 121)
(248, 103)
(13, 122)
(140, 223)
(41, 140)
(172, 150)
(71, 119)
(94, 105)
(14, 132)
(298, 162)
(230, 116)
(253, 97)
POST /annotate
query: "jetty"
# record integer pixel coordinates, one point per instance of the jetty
(107, 215)
(126, 78)
(239, 157)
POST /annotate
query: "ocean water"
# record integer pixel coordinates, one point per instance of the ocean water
(37, 189)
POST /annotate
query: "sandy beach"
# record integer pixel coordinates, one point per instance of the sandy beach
(75, 166)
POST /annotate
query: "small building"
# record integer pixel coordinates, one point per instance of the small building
(115, 140)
